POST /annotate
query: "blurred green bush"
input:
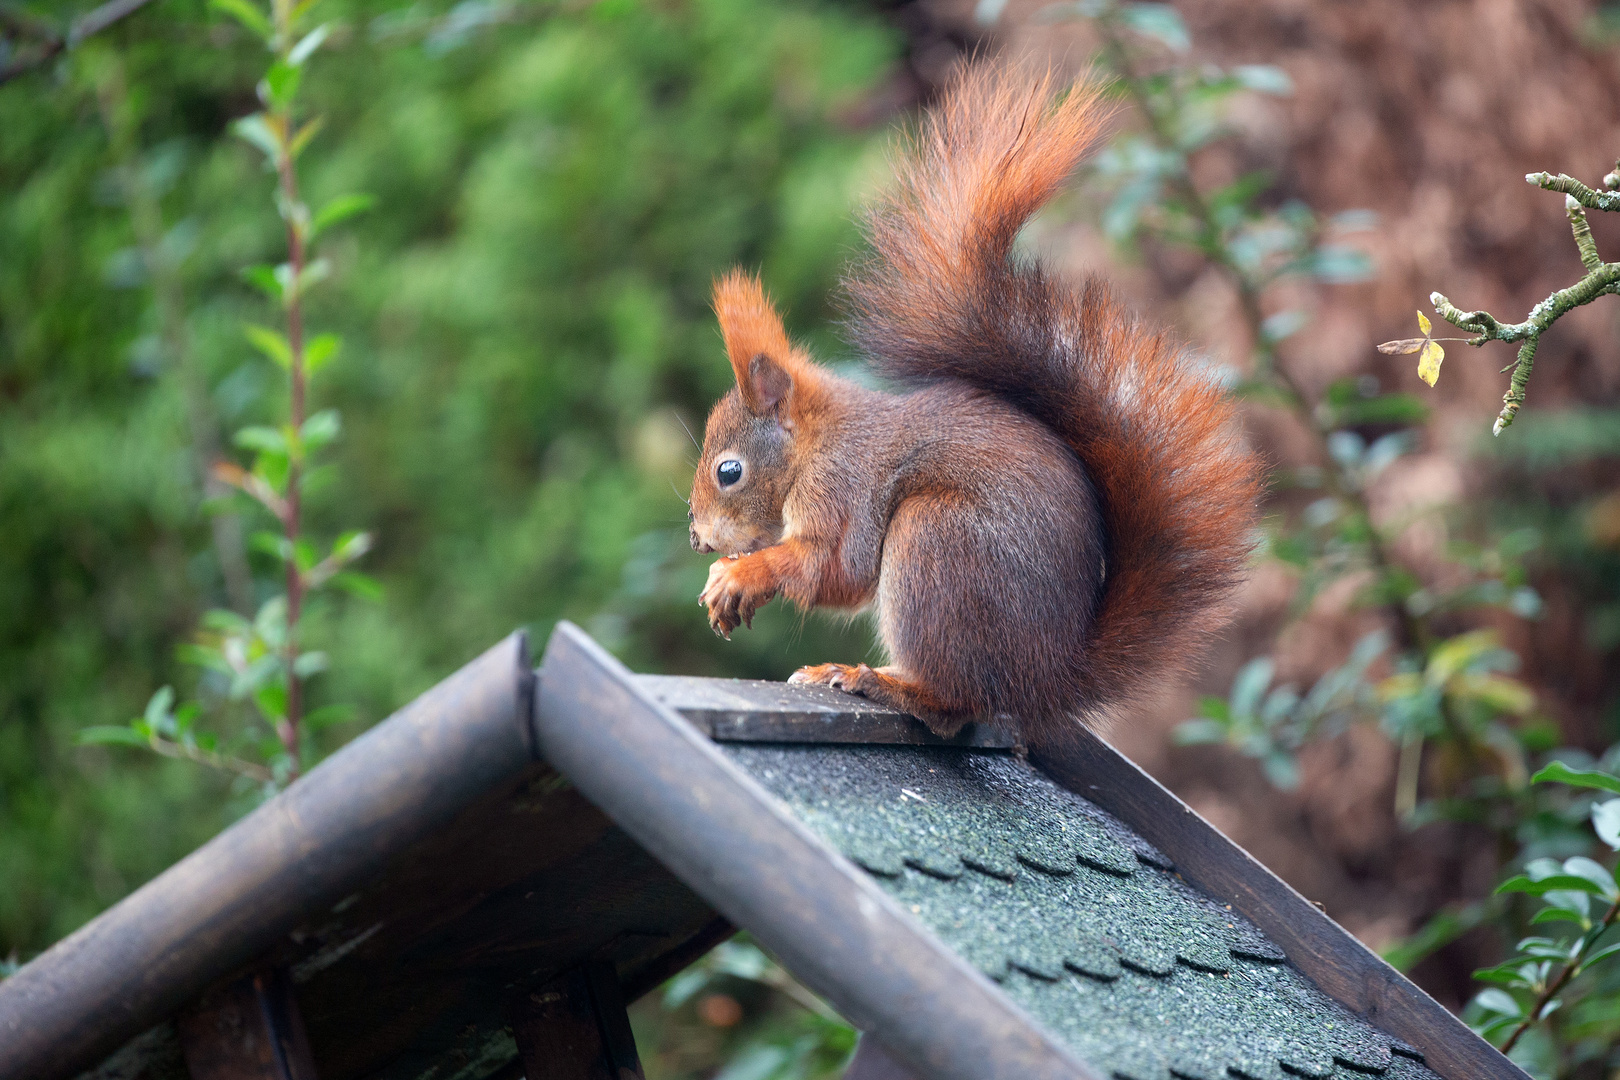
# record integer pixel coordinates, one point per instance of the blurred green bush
(527, 330)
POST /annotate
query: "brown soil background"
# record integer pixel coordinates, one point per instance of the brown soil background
(1428, 114)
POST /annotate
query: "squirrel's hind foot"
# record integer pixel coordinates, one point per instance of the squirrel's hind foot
(886, 686)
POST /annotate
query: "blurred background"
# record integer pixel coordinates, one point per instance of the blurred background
(1433, 613)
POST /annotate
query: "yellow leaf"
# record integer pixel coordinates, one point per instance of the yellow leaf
(1423, 323)
(1495, 691)
(1429, 362)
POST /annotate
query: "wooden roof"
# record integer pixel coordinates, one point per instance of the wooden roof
(435, 897)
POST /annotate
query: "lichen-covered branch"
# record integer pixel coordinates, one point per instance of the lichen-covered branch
(1602, 278)
(1583, 233)
(1568, 185)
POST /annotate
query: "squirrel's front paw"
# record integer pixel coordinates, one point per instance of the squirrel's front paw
(844, 677)
(735, 591)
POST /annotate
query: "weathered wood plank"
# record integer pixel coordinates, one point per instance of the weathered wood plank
(752, 710)
(239, 895)
(871, 1063)
(671, 789)
(1321, 948)
(248, 1029)
(576, 1028)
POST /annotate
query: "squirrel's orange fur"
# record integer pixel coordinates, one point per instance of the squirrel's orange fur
(1054, 514)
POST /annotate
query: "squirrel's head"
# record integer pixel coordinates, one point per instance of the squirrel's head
(746, 469)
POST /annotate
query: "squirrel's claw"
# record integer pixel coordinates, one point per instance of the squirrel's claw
(730, 598)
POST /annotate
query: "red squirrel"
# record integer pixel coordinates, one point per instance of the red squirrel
(1051, 514)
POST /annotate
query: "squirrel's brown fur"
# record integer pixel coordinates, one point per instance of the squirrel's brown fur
(1052, 518)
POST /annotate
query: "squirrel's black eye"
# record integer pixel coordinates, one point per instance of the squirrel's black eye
(728, 472)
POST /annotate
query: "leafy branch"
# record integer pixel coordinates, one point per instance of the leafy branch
(1545, 967)
(262, 660)
(1601, 279)
(1256, 249)
(173, 733)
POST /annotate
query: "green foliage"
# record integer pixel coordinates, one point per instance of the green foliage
(525, 326)
(1272, 725)
(1468, 731)
(750, 1014)
(1571, 975)
(261, 660)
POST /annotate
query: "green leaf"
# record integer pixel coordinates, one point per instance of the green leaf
(339, 209)
(110, 735)
(303, 136)
(1558, 772)
(1158, 21)
(319, 430)
(1581, 866)
(271, 701)
(1513, 973)
(256, 129)
(265, 278)
(1195, 732)
(350, 546)
(313, 274)
(310, 663)
(1557, 914)
(1495, 1027)
(270, 342)
(272, 544)
(158, 706)
(1264, 79)
(319, 352)
(1572, 882)
(280, 85)
(362, 585)
(248, 15)
(1338, 264)
(308, 44)
(1498, 1001)
(1602, 954)
(1606, 820)
(1250, 684)
(267, 440)
(1544, 948)
(1283, 324)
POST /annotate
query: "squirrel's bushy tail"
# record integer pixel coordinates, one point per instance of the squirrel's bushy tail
(945, 298)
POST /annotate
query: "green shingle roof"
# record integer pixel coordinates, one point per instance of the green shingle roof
(1082, 922)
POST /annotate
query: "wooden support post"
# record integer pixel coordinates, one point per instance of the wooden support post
(576, 1028)
(248, 1029)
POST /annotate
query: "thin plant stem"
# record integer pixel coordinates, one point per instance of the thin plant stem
(1567, 973)
(169, 748)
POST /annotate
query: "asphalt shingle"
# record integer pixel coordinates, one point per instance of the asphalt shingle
(1083, 923)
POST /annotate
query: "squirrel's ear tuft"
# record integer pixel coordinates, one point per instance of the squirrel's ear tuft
(755, 341)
